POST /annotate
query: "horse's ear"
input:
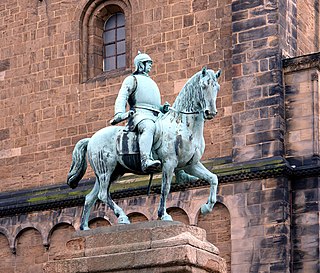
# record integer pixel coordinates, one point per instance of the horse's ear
(204, 71)
(218, 74)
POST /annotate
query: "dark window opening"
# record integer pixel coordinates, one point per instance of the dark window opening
(114, 43)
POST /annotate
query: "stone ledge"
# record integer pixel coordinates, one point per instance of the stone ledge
(61, 196)
(301, 62)
(155, 246)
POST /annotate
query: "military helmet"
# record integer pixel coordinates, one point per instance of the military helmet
(141, 57)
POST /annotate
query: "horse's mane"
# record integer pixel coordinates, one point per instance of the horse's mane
(189, 96)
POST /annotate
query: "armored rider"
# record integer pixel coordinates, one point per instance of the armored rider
(143, 96)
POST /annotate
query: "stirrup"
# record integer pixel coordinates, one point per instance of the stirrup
(150, 166)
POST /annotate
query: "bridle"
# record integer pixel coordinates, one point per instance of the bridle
(186, 113)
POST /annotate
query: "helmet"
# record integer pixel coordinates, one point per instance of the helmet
(141, 57)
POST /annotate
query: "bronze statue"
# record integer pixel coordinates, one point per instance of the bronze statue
(143, 96)
(178, 141)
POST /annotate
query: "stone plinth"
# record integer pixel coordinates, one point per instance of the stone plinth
(142, 247)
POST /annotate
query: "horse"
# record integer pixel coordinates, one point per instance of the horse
(178, 143)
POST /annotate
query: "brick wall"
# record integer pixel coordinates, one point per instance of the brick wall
(218, 227)
(305, 220)
(46, 108)
(262, 32)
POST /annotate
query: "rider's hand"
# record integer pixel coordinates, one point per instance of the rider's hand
(118, 118)
(165, 107)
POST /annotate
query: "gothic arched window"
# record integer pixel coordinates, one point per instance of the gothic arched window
(114, 42)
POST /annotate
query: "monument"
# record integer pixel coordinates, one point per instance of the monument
(156, 138)
(175, 134)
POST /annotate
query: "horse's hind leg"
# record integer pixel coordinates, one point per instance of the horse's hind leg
(90, 200)
(202, 172)
(104, 196)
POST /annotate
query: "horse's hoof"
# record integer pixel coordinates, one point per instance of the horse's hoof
(166, 217)
(123, 220)
(84, 228)
(205, 209)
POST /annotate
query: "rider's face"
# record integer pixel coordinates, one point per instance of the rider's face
(148, 66)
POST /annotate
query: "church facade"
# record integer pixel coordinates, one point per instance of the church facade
(61, 67)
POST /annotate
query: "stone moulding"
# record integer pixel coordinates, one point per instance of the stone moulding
(61, 196)
(301, 62)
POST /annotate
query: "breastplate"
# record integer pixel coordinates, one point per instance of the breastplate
(147, 92)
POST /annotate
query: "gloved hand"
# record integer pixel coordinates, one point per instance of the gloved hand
(165, 107)
(121, 117)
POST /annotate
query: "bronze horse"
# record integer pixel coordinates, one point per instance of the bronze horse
(178, 144)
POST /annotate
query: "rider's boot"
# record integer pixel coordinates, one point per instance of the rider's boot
(148, 164)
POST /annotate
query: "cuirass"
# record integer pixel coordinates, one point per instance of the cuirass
(147, 92)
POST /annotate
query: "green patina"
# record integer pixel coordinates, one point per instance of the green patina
(142, 182)
(56, 197)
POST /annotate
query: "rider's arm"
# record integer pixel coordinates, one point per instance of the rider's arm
(127, 87)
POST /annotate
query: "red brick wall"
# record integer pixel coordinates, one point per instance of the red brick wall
(30, 252)
(5, 256)
(46, 108)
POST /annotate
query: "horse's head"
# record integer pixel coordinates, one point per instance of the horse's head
(209, 87)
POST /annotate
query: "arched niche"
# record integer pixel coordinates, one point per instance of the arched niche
(30, 252)
(6, 255)
(179, 215)
(218, 227)
(98, 222)
(136, 217)
(59, 236)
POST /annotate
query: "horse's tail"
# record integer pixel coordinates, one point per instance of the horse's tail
(79, 163)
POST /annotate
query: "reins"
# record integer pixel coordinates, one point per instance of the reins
(185, 113)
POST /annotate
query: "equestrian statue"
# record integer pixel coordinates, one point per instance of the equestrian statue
(156, 138)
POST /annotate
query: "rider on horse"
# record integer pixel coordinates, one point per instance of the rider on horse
(143, 96)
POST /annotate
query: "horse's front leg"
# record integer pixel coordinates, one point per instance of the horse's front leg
(167, 174)
(202, 172)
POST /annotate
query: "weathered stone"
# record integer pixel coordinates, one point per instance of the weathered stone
(164, 245)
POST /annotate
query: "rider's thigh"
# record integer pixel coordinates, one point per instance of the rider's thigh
(146, 125)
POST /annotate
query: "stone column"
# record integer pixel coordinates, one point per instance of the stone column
(148, 247)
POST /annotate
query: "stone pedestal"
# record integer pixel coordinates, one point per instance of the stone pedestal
(142, 247)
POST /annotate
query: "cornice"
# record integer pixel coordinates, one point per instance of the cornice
(308, 61)
(61, 196)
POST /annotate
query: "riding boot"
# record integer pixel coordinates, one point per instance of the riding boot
(148, 164)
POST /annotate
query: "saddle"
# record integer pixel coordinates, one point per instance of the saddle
(128, 151)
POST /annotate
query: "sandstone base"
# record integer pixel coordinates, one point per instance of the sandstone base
(142, 247)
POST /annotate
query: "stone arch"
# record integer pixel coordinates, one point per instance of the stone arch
(92, 16)
(178, 214)
(98, 222)
(30, 252)
(59, 236)
(136, 217)
(218, 227)
(9, 237)
(24, 227)
(56, 224)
